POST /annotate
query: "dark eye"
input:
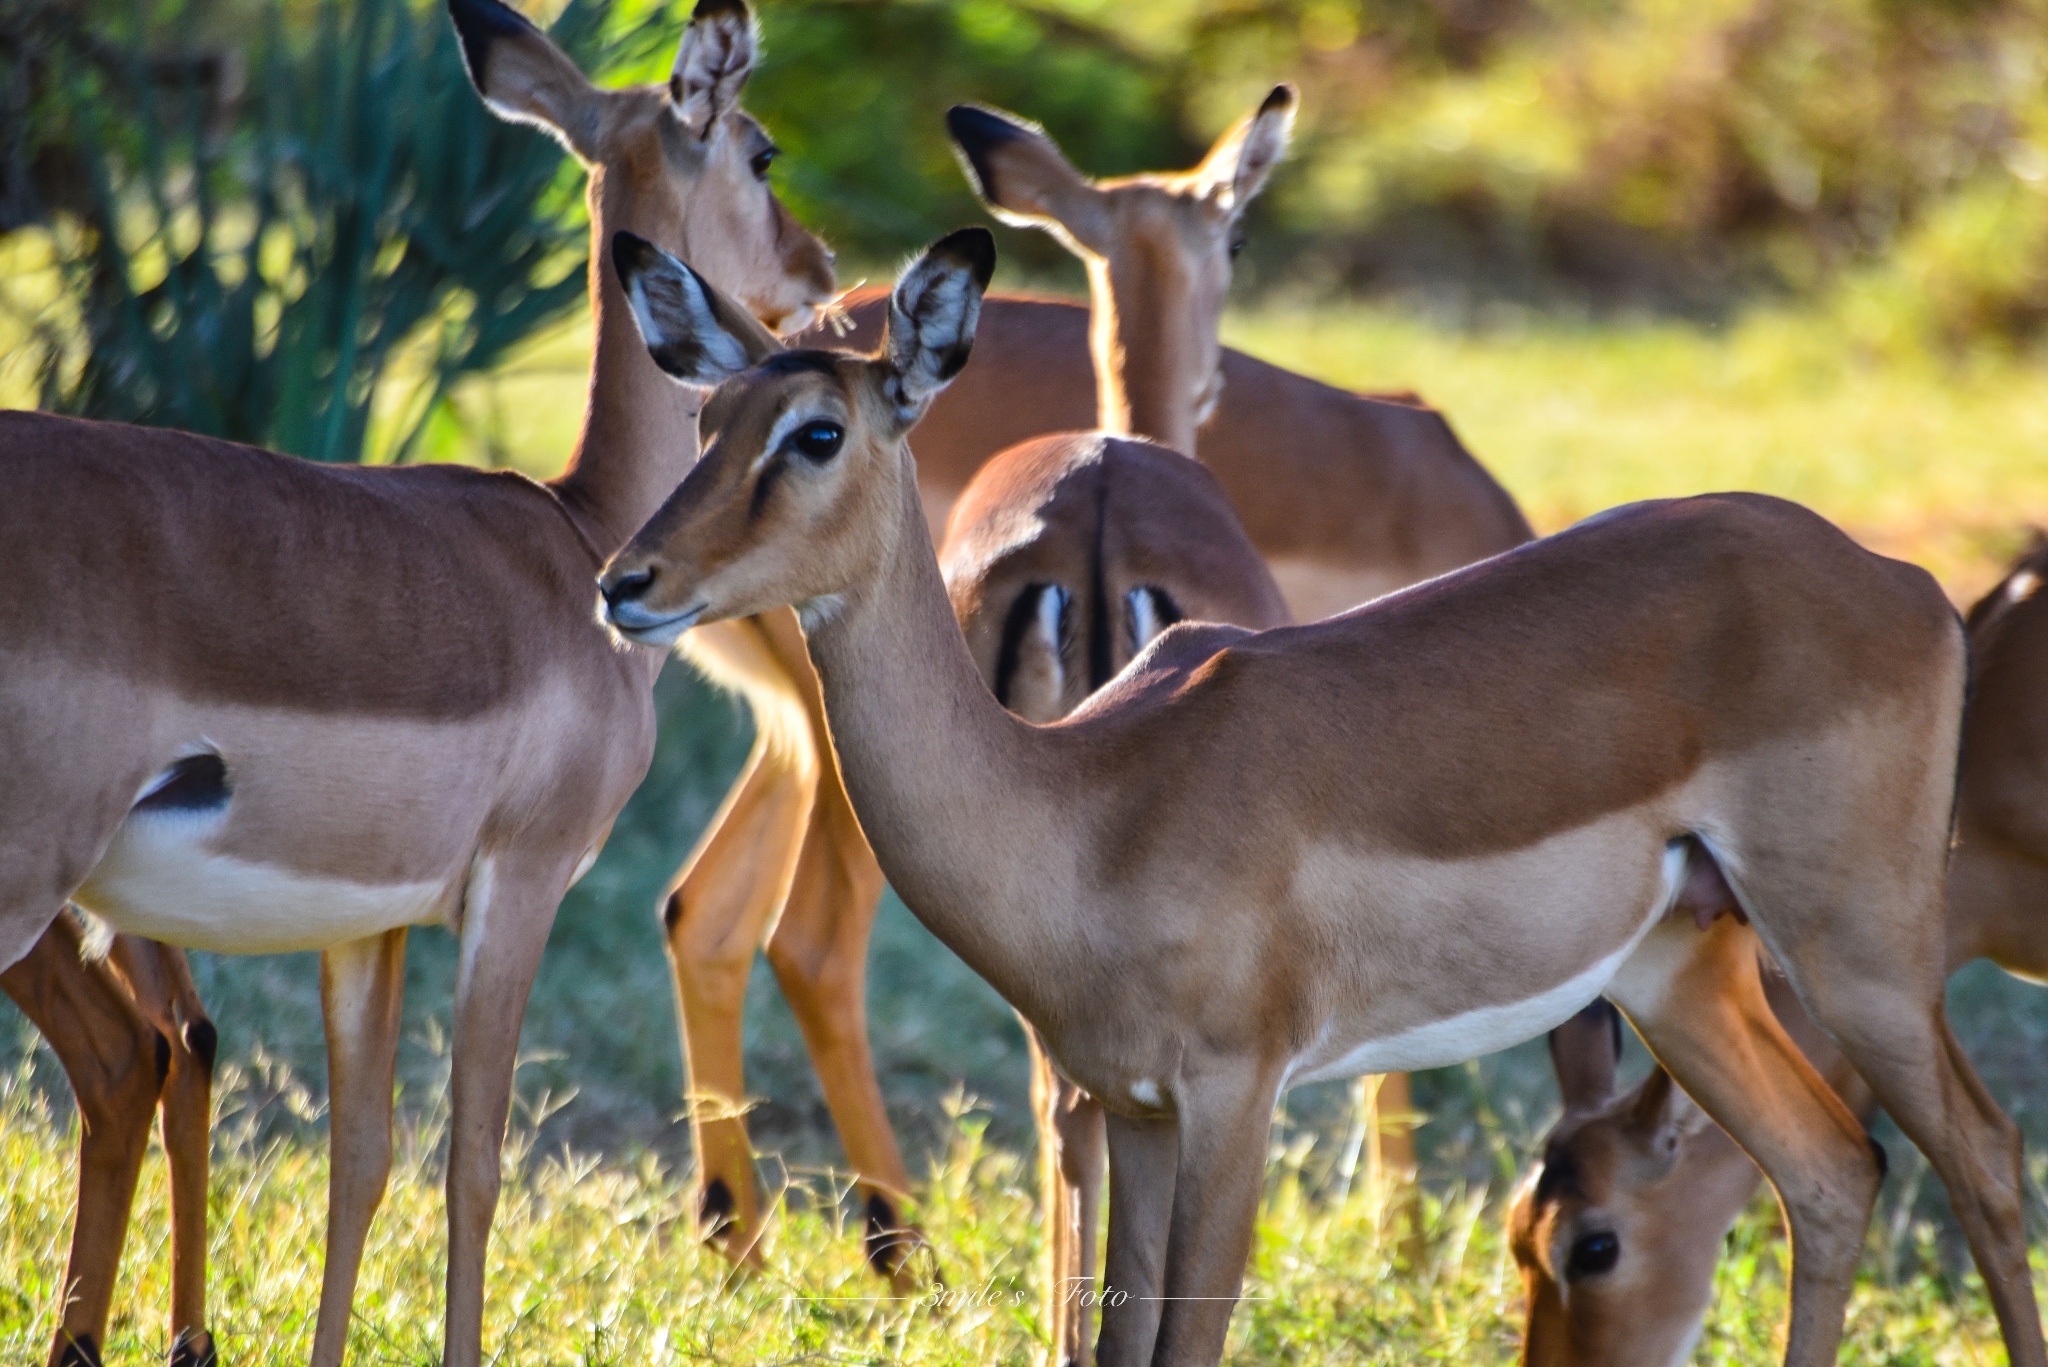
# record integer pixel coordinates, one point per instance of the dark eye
(1592, 1255)
(1236, 246)
(762, 160)
(818, 441)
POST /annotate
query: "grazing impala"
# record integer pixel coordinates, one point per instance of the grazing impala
(1067, 554)
(126, 1022)
(253, 704)
(1413, 833)
(1346, 497)
(1618, 1231)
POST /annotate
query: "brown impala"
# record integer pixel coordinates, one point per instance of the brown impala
(1398, 838)
(1345, 496)
(1067, 554)
(1618, 1231)
(253, 704)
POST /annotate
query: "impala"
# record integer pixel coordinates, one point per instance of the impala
(1067, 554)
(1345, 496)
(1413, 833)
(253, 704)
(125, 1020)
(1618, 1231)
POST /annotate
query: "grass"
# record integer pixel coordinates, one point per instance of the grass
(1944, 461)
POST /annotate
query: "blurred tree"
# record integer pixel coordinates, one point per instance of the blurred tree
(299, 237)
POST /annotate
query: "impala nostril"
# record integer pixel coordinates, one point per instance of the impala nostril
(628, 588)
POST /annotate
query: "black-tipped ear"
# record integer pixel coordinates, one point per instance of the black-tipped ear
(690, 331)
(933, 313)
(713, 62)
(978, 133)
(1585, 1052)
(1237, 167)
(479, 23)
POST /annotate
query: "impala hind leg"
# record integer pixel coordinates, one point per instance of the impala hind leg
(819, 950)
(1897, 1035)
(1698, 1001)
(1071, 1155)
(362, 987)
(160, 980)
(714, 921)
(116, 1062)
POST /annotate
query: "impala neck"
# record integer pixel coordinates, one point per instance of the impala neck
(1140, 322)
(639, 434)
(957, 796)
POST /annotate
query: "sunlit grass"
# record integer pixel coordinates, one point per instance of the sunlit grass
(593, 1263)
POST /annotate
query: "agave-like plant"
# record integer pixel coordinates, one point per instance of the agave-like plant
(300, 239)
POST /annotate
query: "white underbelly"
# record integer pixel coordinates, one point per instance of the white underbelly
(1487, 1029)
(160, 879)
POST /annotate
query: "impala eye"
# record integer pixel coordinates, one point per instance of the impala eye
(1236, 246)
(818, 441)
(1592, 1255)
(762, 160)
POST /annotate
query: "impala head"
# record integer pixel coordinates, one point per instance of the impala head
(799, 493)
(1608, 1229)
(680, 163)
(1151, 239)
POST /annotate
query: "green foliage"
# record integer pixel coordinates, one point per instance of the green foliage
(252, 246)
(856, 92)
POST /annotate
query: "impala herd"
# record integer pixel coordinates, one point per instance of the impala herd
(1086, 681)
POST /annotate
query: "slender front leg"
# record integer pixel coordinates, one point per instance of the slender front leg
(160, 980)
(362, 987)
(1224, 1125)
(505, 922)
(714, 921)
(114, 1059)
(819, 949)
(1070, 1162)
(1144, 1158)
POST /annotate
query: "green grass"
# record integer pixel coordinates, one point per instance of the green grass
(1945, 462)
(591, 1263)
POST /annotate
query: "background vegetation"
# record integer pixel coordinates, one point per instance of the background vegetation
(1632, 247)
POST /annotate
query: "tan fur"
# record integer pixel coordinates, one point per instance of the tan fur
(418, 717)
(1649, 1170)
(1730, 668)
(1347, 496)
(134, 1039)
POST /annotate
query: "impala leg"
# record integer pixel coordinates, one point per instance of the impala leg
(1699, 1003)
(362, 987)
(819, 950)
(115, 1060)
(714, 920)
(1897, 1035)
(505, 922)
(160, 980)
(1144, 1160)
(1071, 1155)
(1223, 1134)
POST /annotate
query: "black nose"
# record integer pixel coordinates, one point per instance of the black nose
(628, 587)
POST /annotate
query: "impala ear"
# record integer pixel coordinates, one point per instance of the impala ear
(524, 77)
(1585, 1051)
(1022, 176)
(692, 331)
(714, 60)
(1242, 160)
(932, 316)
(1664, 1115)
